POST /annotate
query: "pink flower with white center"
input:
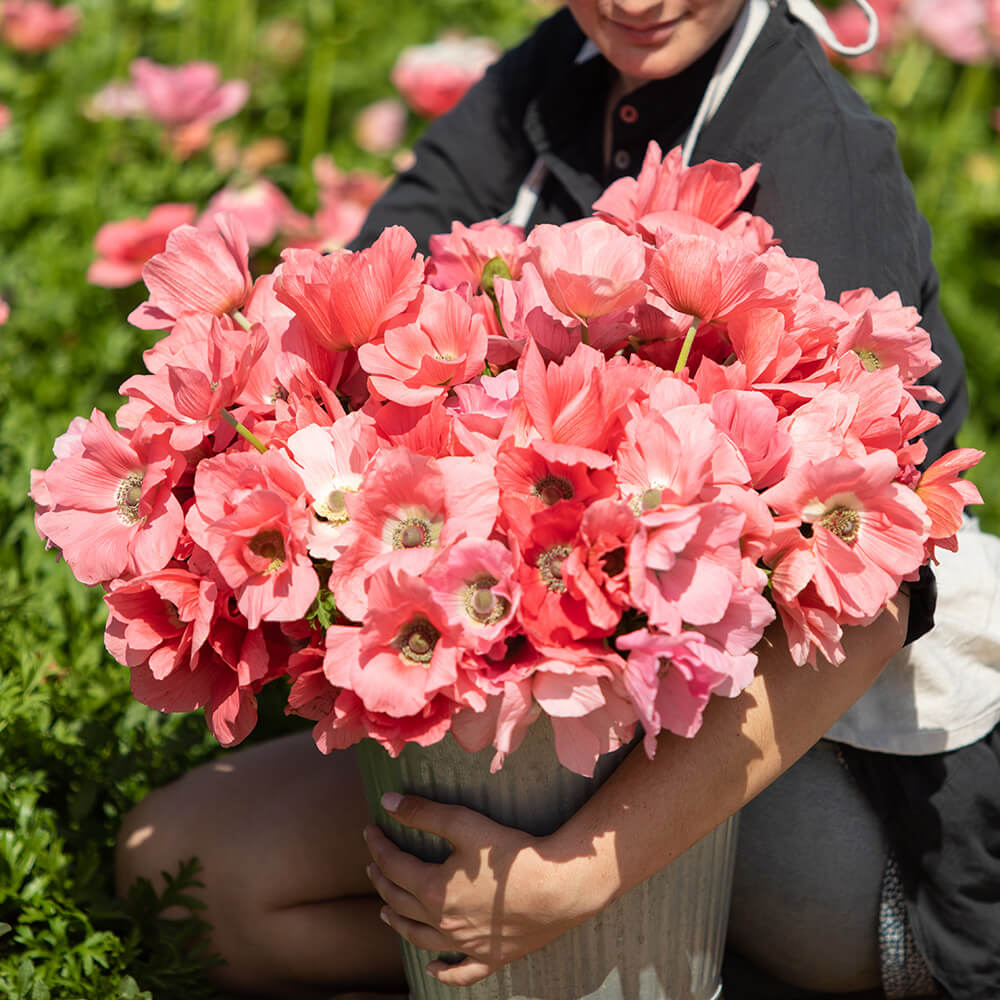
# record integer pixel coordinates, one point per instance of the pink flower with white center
(199, 272)
(35, 25)
(542, 474)
(332, 461)
(204, 378)
(415, 362)
(250, 515)
(945, 494)
(124, 247)
(187, 100)
(472, 580)
(460, 257)
(346, 299)
(405, 653)
(863, 532)
(262, 208)
(710, 191)
(381, 127)
(407, 504)
(589, 268)
(112, 511)
(434, 78)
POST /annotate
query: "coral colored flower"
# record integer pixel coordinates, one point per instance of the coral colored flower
(188, 100)
(345, 299)
(261, 207)
(5, 118)
(413, 363)
(380, 127)
(588, 268)
(124, 247)
(461, 255)
(434, 78)
(4, 312)
(199, 272)
(945, 495)
(35, 25)
(709, 191)
(111, 507)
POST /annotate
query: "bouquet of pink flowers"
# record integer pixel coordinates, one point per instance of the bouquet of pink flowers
(576, 473)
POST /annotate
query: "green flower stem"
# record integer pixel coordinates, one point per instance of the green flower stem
(584, 333)
(910, 71)
(242, 320)
(685, 348)
(243, 431)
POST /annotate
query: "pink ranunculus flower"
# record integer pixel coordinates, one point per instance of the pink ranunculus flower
(380, 127)
(262, 207)
(35, 25)
(124, 247)
(413, 363)
(112, 511)
(345, 299)
(188, 100)
(199, 272)
(434, 78)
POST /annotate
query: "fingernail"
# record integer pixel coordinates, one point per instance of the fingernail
(391, 801)
(369, 870)
(364, 834)
(384, 916)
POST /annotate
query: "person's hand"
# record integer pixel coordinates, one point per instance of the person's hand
(499, 895)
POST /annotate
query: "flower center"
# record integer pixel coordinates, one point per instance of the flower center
(413, 533)
(551, 489)
(481, 604)
(271, 546)
(333, 508)
(549, 567)
(869, 360)
(416, 640)
(127, 498)
(843, 522)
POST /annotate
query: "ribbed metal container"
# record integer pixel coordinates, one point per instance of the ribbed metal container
(661, 941)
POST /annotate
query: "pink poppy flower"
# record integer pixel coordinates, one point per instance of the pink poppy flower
(945, 494)
(958, 28)
(380, 127)
(589, 268)
(261, 207)
(406, 652)
(116, 99)
(415, 362)
(409, 504)
(250, 515)
(35, 25)
(198, 272)
(460, 256)
(188, 100)
(709, 191)
(434, 78)
(864, 532)
(346, 299)
(124, 247)
(112, 511)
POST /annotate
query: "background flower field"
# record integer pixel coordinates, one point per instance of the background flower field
(75, 750)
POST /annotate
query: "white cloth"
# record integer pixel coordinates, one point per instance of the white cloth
(943, 691)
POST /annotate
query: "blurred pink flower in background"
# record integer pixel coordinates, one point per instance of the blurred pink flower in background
(4, 312)
(116, 99)
(188, 100)
(434, 78)
(261, 207)
(380, 127)
(123, 247)
(958, 28)
(850, 26)
(4, 117)
(36, 26)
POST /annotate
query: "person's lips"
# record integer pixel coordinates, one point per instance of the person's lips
(648, 34)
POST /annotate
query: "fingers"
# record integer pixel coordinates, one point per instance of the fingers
(418, 934)
(433, 817)
(465, 973)
(399, 900)
(404, 869)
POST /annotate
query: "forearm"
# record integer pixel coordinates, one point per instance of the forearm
(650, 811)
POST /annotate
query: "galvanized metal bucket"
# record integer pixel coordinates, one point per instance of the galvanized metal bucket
(661, 941)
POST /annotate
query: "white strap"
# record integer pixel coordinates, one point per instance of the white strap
(808, 14)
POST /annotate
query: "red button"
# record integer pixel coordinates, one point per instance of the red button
(628, 114)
